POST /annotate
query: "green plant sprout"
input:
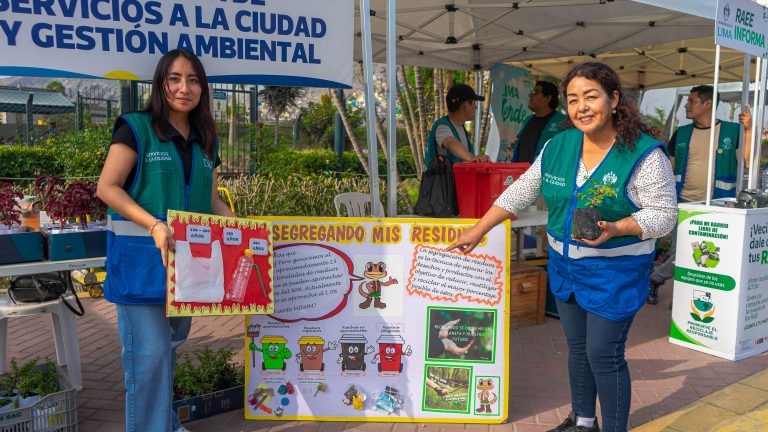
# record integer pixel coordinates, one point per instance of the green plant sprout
(597, 193)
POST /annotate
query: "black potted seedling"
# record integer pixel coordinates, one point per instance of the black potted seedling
(585, 219)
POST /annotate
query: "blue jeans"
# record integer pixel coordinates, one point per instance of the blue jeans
(149, 342)
(596, 364)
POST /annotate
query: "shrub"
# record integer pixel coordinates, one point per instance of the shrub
(286, 162)
(19, 161)
(82, 153)
(297, 196)
(208, 372)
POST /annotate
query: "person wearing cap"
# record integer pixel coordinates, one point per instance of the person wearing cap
(543, 124)
(448, 136)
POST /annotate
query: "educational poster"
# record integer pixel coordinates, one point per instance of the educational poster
(720, 295)
(220, 266)
(375, 321)
(509, 102)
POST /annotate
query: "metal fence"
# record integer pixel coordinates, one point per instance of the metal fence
(94, 111)
(38, 122)
(235, 111)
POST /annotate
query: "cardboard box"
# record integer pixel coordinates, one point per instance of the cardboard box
(528, 288)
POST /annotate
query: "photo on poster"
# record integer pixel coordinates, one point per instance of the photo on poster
(487, 396)
(446, 388)
(380, 292)
(461, 334)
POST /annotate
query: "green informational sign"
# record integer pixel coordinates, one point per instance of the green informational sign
(219, 95)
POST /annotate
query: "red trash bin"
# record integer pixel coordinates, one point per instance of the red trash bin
(478, 184)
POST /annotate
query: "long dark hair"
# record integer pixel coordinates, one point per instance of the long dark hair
(626, 118)
(200, 117)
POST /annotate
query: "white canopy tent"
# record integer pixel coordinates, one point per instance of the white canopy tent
(663, 65)
(475, 34)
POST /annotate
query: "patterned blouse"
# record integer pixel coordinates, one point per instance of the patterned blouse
(651, 189)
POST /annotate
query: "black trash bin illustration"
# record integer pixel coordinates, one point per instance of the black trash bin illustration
(353, 352)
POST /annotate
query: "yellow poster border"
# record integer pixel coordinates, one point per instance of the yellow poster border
(393, 419)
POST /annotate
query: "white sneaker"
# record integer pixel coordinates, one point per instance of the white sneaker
(182, 429)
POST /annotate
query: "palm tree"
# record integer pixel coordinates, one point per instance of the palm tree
(421, 106)
(350, 130)
(279, 99)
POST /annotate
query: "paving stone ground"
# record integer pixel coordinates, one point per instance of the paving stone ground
(666, 378)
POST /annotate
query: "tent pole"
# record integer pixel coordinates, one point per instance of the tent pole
(478, 112)
(756, 97)
(391, 108)
(758, 139)
(744, 103)
(370, 105)
(712, 125)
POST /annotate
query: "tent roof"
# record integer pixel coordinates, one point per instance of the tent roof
(671, 64)
(43, 102)
(472, 33)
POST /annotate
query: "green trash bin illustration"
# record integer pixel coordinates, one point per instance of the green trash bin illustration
(274, 352)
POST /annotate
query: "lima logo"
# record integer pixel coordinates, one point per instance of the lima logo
(727, 141)
(726, 11)
(610, 178)
(702, 308)
(208, 164)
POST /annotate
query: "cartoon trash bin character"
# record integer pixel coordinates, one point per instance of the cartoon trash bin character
(391, 352)
(311, 356)
(353, 352)
(274, 351)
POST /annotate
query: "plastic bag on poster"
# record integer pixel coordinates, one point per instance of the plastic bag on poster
(199, 280)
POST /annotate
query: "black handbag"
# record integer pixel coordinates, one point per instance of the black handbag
(437, 192)
(43, 287)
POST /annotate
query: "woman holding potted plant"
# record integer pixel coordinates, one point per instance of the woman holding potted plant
(599, 284)
(164, 157)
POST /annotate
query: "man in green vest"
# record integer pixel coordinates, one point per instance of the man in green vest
(448, 136)
(543, 124)
(689, 154)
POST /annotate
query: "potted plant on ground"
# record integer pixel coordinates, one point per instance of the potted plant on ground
(207, 383)
(17, 243)
(65, 205)
(24, 385)
(585, 219)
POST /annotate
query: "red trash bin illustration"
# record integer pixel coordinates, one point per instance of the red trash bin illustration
(390, 355)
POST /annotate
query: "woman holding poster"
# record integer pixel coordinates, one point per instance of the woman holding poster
(611, 161)
(161, 158)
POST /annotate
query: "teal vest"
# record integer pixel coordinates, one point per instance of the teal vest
(726, 164)
(610, 280)
(554, 125)
(431, 151)
(135, 272)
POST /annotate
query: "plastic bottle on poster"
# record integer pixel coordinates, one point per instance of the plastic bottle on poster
(239, 283)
